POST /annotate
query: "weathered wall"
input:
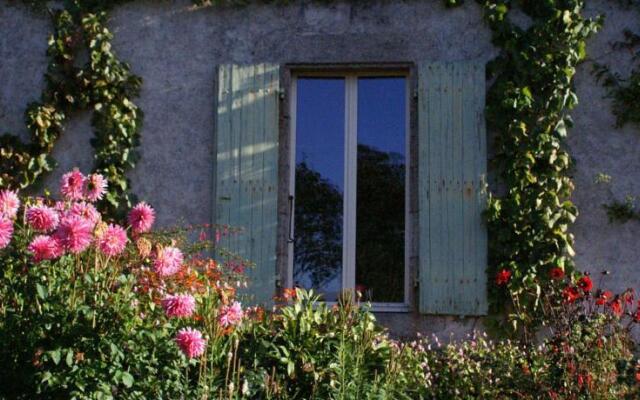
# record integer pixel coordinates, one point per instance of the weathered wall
(175, 48)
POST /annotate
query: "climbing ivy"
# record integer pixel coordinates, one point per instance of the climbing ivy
(527, 110)
(104, 84)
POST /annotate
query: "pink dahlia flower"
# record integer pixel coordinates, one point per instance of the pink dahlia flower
(45, 247)
(179, 305)
(86, 211)
(230, 315)
(9, 203)
(141, 217)
(168, 261)
(113, 240)
(74, 233)
(191, 342)
(95, 187)
(6, 231)
(72, 184)
(42, 218)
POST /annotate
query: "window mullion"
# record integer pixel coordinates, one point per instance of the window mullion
(350, 179)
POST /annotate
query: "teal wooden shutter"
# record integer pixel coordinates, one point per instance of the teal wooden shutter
(247, 169)
(451, 170)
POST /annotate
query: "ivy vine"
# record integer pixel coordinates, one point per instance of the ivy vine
(104, 84)
(527, 108)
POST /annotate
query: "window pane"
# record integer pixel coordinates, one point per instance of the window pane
(319, 185)
(380, 219)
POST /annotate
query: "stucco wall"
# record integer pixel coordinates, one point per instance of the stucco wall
(175, 49)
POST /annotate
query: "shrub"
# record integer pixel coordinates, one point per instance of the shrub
(93, 309)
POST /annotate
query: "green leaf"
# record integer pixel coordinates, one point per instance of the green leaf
(127, 379)
(69, 358)
(42, 291)
(55, 356)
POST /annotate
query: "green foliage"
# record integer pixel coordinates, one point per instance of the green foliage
(311, 351)
(622, 212)
(76, 328)
(103, 84)
(527, 111)
(618, 211)
(623, 91)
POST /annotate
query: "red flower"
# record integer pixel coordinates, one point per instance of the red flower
(616, 307)
(628, 296)
(502, 277)
(556, 273)
(289, 293)
(585, 283)
(636, 316)
(570, 294)
(638, 376)
(584, 380)
(603, 297)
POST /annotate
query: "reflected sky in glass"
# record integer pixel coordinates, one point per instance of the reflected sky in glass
(380, 219)
(319, 185)
(380, 196)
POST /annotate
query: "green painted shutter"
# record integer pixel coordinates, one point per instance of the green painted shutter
(452, 170)
(247, 169)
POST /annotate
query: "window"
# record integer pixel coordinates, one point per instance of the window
(349, 187)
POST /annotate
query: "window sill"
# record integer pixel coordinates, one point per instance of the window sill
(390, 308)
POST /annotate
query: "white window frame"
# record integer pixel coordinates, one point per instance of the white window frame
(350, 179)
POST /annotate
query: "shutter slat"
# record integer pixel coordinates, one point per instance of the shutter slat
(246, 175)
(451, 171)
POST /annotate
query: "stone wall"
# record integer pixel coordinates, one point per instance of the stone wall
(175, 49)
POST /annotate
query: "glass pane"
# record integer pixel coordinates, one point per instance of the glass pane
(380, 219)
(319, 185)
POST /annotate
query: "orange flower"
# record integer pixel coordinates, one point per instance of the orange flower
(289, 294)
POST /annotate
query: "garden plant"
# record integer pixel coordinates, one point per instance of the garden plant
(93, 309)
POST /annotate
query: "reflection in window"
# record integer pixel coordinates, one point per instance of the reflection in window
(319, 185)
(380, 210)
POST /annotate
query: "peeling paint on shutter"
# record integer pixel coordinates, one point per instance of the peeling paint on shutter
(247, 169)
(452, 170)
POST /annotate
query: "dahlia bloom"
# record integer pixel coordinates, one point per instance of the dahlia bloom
(603, 297)
(95, 187)
(168, 261)
(585, 283)
(6, 231)
(42, 218)
(503, 277)
(230, 315)
(570, 294)
(9, 203)
(74, 233)
(191, 342)
(141, 217)
(556, 273)
(179, 305)
(113, 240)
(616, 307)
(86, 211)
(45, 247)
(72, 184)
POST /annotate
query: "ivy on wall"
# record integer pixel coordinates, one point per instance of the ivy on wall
(104, 84)
(527, 108)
